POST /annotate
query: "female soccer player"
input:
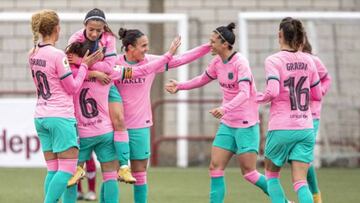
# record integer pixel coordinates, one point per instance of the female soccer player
(94, 124)
(325, 81)
(292, 80)
(97, 31)
(136, 100)
(54, 114)
(239, 129)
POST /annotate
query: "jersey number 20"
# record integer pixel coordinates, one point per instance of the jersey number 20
(43, 88)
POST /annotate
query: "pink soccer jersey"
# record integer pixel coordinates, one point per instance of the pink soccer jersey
(325, 81)
(91, 102)
(106, 40)
(136, 92)
(52, 77)
(292, 80)
(238, 88)
(92, 109)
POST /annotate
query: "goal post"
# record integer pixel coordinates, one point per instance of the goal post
(182, 23)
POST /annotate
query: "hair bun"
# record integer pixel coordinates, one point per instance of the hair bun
(231, 26)
(122, 33)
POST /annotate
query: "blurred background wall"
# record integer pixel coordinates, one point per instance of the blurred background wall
(338, 46)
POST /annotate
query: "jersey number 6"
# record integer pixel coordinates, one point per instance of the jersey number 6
(84, 102)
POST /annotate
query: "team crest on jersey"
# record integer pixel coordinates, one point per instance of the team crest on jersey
(230, 75)
(118, 68)
(66, 63)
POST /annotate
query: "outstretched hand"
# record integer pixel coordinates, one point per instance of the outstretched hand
(175, 45)
(217, 112)
(171, 86)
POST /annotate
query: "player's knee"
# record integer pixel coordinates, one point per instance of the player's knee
(247, 168)
(215, 166)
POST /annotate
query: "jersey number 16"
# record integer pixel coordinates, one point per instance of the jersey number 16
(297, 92)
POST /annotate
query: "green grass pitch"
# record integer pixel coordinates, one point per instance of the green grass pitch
(173, 185)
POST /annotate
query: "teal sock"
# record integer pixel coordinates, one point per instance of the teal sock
(122, 152)
(102, 197)
(70, 194)
(48, 178)
(262, 184)
(304, 195)
(57, 186)
(312, 180)
(140, 193)
(217, 190)
(111, 191)
(275, 190)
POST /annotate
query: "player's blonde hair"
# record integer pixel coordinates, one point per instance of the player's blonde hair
(43, 22)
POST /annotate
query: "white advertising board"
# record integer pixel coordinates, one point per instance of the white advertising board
(19, 144)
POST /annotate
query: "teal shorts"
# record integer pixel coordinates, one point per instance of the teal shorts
(114, 95)
(290, 145)
(238, 140)
(103, 145)
(139, 142)
(316, 123)
(57, 134)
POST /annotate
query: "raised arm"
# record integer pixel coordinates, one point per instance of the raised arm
(72, 84)
(106, 65)
(196, 82)
(189, 56)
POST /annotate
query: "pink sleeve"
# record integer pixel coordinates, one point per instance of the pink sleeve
(196, 82)
(71, 84)
(315, 87)
(324, 76)
(108, 63)
(271, 92)
(325, 84)
(189, 56)
(201, 80)
(272, 89)
(121, 72)
(74, 70)
(76, 37)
